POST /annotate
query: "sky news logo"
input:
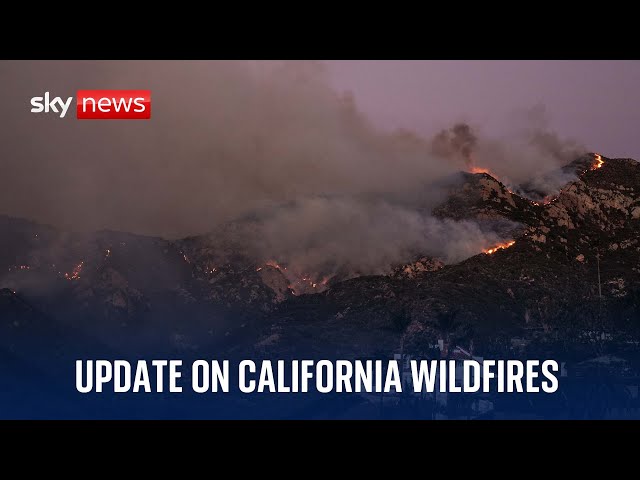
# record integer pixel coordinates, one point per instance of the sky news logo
(98, 104)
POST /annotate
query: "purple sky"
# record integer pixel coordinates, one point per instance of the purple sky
(594, 102)
(228, 138)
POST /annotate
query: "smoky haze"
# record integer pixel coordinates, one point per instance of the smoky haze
(321, 236)
(229, 138)
(224, 138)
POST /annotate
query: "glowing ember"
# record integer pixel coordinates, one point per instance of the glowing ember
(599, 162)
(274, 264)
(501, 246)
(479, 170)
(299, 282)
(75, 273)
(20, 267)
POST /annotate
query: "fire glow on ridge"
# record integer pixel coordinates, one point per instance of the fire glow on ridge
(501, 246)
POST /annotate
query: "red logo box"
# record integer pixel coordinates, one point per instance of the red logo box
(113, 104)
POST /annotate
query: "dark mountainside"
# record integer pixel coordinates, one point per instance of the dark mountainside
(190, 295)
(542, 291)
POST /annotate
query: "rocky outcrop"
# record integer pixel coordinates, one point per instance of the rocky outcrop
(547, 281)
(418, 267)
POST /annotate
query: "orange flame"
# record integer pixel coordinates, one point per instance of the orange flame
(501, 246)
(599, 162)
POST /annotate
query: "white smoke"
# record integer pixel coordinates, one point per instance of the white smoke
(230, 138)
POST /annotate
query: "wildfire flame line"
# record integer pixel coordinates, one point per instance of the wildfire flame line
(501, 246)
(476, 170)
(599, 162)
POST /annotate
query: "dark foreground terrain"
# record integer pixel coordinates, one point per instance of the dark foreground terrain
(565, 285)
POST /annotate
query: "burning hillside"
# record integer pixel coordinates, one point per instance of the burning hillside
(501, 246)
(574, 269)
(257, 264)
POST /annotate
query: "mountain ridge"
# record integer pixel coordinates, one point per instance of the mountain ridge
(138, 282)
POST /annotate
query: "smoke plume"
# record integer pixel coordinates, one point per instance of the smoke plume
(224, 138)
(230, 138)
(458, 141)
(528, 151)
(321, 235)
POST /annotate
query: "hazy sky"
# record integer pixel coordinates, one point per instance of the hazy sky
(230, 138)
(595, 102)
